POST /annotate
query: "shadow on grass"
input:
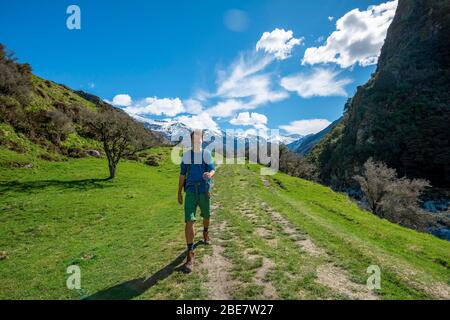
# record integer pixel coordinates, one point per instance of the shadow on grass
(29, 186)
(136, 287)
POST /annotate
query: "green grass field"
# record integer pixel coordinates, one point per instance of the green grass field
(273, 237)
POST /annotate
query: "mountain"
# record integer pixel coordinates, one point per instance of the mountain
(402, 115)
(172, 130)
(289, 139)
(305, 144)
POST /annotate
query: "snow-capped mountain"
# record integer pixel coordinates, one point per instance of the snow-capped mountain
(174, 130)
(166, 127)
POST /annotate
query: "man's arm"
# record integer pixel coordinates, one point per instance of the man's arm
(180, 188)
(211, 168)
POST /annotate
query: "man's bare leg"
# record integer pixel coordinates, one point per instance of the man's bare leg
(190, 235)
(206, 231)
(189, 232)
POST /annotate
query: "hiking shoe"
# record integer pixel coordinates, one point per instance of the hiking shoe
(206, 237)
(189, 265)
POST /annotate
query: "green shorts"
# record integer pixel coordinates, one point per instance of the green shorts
(191, 202)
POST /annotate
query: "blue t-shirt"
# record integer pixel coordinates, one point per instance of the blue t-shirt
(197, 163)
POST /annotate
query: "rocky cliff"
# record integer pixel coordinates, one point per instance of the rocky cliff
(402, 115)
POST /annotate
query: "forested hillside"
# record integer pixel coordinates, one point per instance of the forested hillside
(401, 116)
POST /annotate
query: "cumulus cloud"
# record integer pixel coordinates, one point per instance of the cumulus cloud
(249, 119)
(358, 38)
(122, 100)
(330, 18)
(154, 106)
(227, 108)
(200, 121)
(279, 43)
(306, 127)
(319, 83)
(193, 106)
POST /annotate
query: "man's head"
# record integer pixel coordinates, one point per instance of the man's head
(197, 138)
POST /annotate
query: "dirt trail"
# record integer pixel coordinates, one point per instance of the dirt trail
(219, 283)
(260, 278)
(328, 274)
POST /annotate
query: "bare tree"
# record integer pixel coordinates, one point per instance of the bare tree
(375, 182)
(400, 204)
(296, 165)
(121, 136)
(392, 198)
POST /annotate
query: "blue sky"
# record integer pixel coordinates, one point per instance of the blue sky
(197, 61)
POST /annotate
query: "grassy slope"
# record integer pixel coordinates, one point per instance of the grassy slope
(410, 261)
(63, 213)
(127, 234)
(46, 95)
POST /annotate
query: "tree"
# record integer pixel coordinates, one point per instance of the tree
(374, 184)
(55, 125)
(296, 165)
(121, 136)
(392, 198)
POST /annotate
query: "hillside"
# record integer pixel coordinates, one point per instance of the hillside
(47, 119)
(277, 237)
(401, 115)
(306, 144)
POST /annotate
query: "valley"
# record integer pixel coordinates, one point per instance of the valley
(273, 238)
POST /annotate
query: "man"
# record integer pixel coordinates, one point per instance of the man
(197, 170)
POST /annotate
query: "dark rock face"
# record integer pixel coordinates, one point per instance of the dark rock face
(402, 115)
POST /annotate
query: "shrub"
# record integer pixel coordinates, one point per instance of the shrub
(75, 153)
(392, 198)
(296, 165)
(15, 78)
(54, 125)
(152, 161)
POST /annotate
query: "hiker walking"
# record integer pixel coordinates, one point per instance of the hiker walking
(197, 170)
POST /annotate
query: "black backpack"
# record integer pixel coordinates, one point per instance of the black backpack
(209, 183)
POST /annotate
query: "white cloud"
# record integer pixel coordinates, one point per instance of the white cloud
(200, 121)
(278, 43)
(154, 106)
(249, 119)
(330, 18)
(244, 86)
(239, 81)
(306, 127)
(319, 83)
(358, 38)
(122, 100)
(193, 106)
(227, 108)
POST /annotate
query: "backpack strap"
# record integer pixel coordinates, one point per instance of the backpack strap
(205, 169)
